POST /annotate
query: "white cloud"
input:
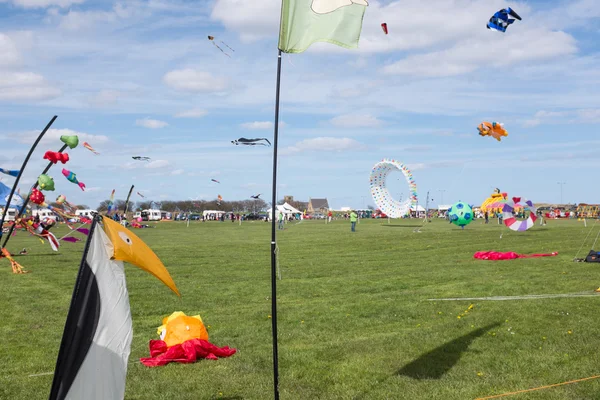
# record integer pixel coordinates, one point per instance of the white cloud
(23, 86)
(356, 121)
(194, 113)
(258, 125)
(194, 81)
(8, 50)
(151, 123)
(157, 164)
(252, 20)
(45, 3)
(105, 98)
(53, 136)
(585, 116)
(481, 52)
(177, 172)
(324, 144)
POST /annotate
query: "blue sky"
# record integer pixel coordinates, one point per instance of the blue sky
(140, 78)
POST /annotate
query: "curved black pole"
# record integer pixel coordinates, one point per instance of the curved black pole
(127, 201)
(12, 192)
(26, 200)
(274, 237)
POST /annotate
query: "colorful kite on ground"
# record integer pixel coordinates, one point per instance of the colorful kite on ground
(11, 172)
(493, 129)
(90, 148)
(183, 339)
(500, 20)
(72, 177)
(251, 142)
(460, 214)
(55, 157)
(497, 255)
(381, 195)
(509, 214)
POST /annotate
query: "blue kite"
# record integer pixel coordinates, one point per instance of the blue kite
(11, 172)
(16, 201)
(500, 20)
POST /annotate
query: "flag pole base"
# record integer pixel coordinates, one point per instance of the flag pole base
(16, 267)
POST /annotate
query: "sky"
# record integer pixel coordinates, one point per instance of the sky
(141, 78)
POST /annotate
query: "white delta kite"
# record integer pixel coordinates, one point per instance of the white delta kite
(327, 6)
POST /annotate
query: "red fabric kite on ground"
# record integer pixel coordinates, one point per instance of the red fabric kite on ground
(497, 255)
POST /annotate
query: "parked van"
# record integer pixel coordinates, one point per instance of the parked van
(44, 214)
(151, 215)
(85, 213)
(11, 214)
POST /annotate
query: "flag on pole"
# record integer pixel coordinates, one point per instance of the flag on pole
(304, 22)
(96, 343)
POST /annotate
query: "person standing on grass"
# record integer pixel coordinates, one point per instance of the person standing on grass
(353, 219)
(280, 220)
(330, 216)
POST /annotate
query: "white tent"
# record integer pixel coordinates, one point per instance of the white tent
(291, 209)
(281, 208)
(417, 208)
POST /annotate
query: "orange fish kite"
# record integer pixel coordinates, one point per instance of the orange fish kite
(494, 129)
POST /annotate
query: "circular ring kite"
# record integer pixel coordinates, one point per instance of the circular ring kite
(512, 222)
(382, 197)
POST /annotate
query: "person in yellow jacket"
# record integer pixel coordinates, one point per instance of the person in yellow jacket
(353, 219)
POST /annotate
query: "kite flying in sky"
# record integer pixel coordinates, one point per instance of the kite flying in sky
(384, 27)
(141, 195)
(257, 196)
(494, 129)
(212, 40)
(500, 20)
(250, 142)
(90, 148)
(139, 158)
(55, 157)
(214, 180)
(72, 177)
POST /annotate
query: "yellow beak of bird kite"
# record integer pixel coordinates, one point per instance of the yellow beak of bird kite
(128, 247)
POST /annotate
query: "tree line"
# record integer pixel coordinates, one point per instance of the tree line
(196, 206)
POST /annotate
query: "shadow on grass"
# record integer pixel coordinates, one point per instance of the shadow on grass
(403, 226)
(437, 362)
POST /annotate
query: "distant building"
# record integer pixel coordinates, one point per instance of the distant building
(318, 205)
(288, 199)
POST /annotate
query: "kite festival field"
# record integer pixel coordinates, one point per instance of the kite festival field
(355, 319)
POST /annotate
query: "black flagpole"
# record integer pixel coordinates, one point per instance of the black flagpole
(26, 200)
(12, 192)
(274, 237)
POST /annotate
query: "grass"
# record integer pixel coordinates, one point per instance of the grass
(354, 319)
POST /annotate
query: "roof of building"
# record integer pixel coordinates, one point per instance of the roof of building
(319, 203)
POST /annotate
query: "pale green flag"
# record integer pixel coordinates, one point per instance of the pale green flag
(304, 22)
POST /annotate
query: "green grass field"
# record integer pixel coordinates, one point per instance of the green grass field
(354, 317)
